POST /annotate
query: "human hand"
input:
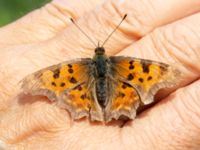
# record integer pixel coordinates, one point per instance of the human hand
(166, 31)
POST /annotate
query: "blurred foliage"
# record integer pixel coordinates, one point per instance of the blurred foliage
(10, 10)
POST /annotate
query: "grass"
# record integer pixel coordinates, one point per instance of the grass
(11, 10)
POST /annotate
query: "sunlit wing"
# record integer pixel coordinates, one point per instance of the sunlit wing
(67, 84)
(145, 75)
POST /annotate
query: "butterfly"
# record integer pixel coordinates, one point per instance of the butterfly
(102, 88)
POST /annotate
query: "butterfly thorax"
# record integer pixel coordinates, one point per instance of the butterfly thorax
(101, 69)
(100, 60)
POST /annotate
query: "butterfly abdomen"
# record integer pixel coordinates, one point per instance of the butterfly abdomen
(101, 91)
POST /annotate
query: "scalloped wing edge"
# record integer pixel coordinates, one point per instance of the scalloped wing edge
(174, 78)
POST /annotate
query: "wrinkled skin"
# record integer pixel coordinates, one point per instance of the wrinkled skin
(166, 31)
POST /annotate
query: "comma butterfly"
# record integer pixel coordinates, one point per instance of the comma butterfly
(102, 88)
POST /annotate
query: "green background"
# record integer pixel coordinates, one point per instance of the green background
(10, 10)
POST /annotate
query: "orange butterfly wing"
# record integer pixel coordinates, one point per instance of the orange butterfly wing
(124, 102)
(67, 84)
(145, 75)
(134, 82)
(81, 101)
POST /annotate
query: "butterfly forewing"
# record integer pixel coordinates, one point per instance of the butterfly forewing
(68, 84)
(145, 75)
(58, 78)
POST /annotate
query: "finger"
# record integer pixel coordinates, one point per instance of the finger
(44, 23)
(24, 119)
(44, 123)
(106, 17)
(143, 17)
(67, 43)
(66, 46)
(171, 124)
(177, 44)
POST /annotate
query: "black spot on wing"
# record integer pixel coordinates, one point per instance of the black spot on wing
(69, 65)
(131, 67)
(131, 62)
(56, 73)
(121, 94)
(73, 80)
(149, 78)
(83, 96)
(130, 77)
(145, 66)
(70, 70)
(53, 83)
(80, 88)
(141, 80)
(62, 84)
(125, 85)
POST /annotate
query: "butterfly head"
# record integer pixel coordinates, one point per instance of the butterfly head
(99, 51)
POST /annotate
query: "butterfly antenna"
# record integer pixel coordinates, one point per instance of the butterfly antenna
(114, 29)
(83, 32)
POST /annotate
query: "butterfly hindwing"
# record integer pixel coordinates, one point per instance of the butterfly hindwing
(145, 75)
(81, 101)
(123, 102)
(67, 84)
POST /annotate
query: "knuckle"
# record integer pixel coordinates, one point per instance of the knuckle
(180, 42)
